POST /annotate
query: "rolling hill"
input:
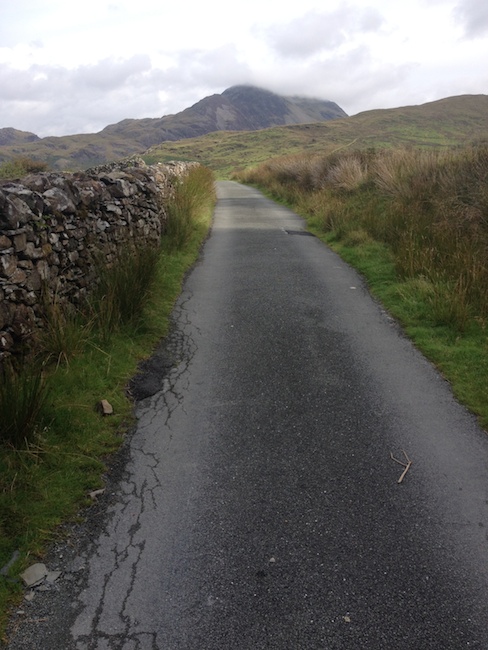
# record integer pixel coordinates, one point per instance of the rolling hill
(239, 108)
(454, 121)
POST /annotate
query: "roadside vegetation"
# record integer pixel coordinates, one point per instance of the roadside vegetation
(54, 445)
(20, 166)
(415, 224)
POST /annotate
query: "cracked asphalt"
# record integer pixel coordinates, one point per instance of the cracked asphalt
(256, 504)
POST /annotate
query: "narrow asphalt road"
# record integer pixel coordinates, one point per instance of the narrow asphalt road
(259, 506)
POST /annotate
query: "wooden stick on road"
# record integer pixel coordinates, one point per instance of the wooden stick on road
(406, 465)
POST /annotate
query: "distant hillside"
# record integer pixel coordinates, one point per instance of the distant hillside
(11, 136)
(454, 121)
(240, 108)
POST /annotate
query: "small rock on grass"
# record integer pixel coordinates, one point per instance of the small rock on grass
(104, 407)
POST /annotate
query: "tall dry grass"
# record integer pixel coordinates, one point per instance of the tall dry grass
(192, 194)
(349, 173)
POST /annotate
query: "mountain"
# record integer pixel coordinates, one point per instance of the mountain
(239, 108)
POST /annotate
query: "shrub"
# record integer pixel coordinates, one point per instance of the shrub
(21, 166)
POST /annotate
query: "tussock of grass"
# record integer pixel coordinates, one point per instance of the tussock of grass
(349, 173)
(64, 331)
(22, 399)
(123, 289)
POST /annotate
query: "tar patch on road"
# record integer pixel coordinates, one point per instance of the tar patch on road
(152, 372)
(305, 233)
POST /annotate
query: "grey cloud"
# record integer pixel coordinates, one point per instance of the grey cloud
(53, 100)
(473, 15)
(209, 68)
(370, 20)
(46, 82)
(197, 73)
(321, 31)
(368, 82)
(112, 73)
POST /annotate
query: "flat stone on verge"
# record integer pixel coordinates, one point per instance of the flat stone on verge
(34, 575)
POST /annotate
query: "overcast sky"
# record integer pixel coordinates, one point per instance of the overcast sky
(76, 67)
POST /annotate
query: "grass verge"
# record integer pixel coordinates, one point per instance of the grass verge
(47, 480)
(460, 356)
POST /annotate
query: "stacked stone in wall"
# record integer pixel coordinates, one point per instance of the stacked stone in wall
(56, 228)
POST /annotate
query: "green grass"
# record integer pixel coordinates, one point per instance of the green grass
(45, 482)
(461, 357)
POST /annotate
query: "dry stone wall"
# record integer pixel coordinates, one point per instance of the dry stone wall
(54, 226)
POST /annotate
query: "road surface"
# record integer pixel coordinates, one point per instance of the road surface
(259, 506)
